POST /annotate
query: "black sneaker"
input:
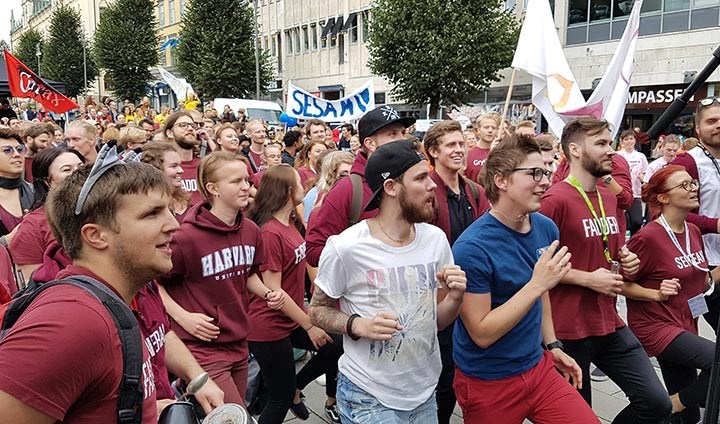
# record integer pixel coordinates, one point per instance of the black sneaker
(332, 414)
(299, 409)
(598, 375)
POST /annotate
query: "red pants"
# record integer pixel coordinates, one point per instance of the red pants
(540, 394)
(227, 365)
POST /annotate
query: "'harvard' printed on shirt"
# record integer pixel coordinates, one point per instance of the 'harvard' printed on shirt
(593, 226)
(156, 340)
(224, 260)
(300, 253)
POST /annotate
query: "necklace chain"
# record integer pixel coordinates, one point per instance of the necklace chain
(394, 239)
(518, 220)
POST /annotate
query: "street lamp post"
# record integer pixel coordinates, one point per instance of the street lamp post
(82, 39)
(38, 53)
(257, 52)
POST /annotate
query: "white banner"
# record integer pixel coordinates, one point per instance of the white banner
(303, 105)
(179, 85)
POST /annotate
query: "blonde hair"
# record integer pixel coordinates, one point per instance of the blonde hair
(111, 133)
(490, 115)
(131, 135)
(329, 172)
(89, 129)
(209, 169)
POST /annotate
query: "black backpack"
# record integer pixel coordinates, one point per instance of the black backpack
(130, 399)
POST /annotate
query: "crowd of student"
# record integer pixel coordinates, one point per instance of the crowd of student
(477, 266)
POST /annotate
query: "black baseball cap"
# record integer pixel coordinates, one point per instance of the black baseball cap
(388, 162)
(379, 118)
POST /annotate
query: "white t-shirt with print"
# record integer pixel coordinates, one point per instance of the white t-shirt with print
(369, 276)
(638, 165)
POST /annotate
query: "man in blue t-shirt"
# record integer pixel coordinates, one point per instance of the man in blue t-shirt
(511, 259)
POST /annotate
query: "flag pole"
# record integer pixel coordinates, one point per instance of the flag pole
(509, 95)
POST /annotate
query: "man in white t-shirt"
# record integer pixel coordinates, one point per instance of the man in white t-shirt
(638, 165)
(396, 284)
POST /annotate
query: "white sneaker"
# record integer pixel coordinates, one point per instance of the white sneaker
(230, 413)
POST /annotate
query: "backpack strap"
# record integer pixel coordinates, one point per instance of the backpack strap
(473, 189)
(357, 198)
(130, 398)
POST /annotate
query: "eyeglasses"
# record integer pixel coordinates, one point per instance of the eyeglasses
(9, 150)
(691, 185)
(708, 102)
(537, 173)
(185, 125)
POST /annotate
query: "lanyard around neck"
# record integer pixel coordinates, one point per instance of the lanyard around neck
(711, 157)
(675, 241)
(602, 223)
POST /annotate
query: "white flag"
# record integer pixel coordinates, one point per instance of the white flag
(539, 53)
(179, 85)
(609, 98)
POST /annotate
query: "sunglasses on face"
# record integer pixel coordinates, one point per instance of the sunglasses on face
(691, 185)
(10, 150)
(185, 125)
(537, 173)
(708, 102)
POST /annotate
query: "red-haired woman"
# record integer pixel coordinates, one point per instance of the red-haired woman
(666, 298)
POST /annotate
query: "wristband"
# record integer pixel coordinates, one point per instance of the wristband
(267, 294)
(348, 327)
(557, 344)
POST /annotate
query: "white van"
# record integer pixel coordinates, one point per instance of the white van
(254, 109)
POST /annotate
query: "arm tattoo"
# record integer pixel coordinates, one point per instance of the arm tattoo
(324, 314)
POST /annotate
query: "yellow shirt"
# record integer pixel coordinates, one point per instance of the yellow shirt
(191, 104)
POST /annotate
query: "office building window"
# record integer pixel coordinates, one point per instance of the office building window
(600, 20)
(274, 46)
(288, 42)
(171, 11)
(365, 25)
(353, 28)
(161, 12)
(182, 9)
(323, 40)
(298, 46)
(313, 33)
(306, 39)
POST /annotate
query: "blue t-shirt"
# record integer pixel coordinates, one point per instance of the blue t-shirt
(500, 261)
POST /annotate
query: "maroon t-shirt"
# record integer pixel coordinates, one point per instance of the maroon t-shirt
(153, 319)
(306, 174)
(656, 324)
(257, 160)
(63, 357)
(189, 179)
(28, 169)
(476, 158)
(284, 252)
(211, 265)
(257, 179)
(33, 236)
(579, 312)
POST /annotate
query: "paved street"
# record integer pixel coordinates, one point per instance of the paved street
(608, 400)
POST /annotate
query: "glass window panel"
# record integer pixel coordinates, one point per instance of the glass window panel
(577, 12)
(306, 40)
(600, 32)
(617, 28)
(650, 6)
(599, 9)
(649, 25)
(672, 5)
(673, 22)
(171, 11)
(622, 8)
(705, 3)
(704, 18)
(577, 35)
(297, 40)
(313, 29)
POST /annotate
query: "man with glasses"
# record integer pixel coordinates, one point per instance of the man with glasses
(505, 346)
(180, 129)
(702, 162)
(583, 304)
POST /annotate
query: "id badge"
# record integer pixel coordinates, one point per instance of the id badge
(697, 305)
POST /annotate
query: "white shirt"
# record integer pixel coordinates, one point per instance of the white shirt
(709, 200)
(369, 276)
(654, 167)
(638, 164)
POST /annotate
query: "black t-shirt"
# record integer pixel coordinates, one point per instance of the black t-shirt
(461, 213)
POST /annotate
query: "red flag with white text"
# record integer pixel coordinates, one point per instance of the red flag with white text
(25, 83)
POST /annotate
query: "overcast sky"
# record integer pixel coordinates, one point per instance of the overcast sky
(7, 6)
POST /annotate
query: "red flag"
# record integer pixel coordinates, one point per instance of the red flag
(25, 83)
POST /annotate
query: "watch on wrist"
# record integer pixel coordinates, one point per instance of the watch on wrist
(557, 344)
(607, 179)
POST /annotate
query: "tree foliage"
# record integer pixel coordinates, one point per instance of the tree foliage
(4, 45)
(62, 59)
(437, 51)
(217, 52)
(126, 46)
(25, 48)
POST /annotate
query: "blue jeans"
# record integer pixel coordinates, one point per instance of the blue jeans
(356, 406)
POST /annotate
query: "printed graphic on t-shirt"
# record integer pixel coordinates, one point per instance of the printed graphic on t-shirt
(156, 340)
(300, 253)
(148, 379)
(410, 289)
(593, 227)
(479, 162)
(189, 184)
(228, 262)
(696, 258)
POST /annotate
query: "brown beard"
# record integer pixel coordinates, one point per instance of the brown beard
(185, 145)
(411, 212)
(594, 168)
